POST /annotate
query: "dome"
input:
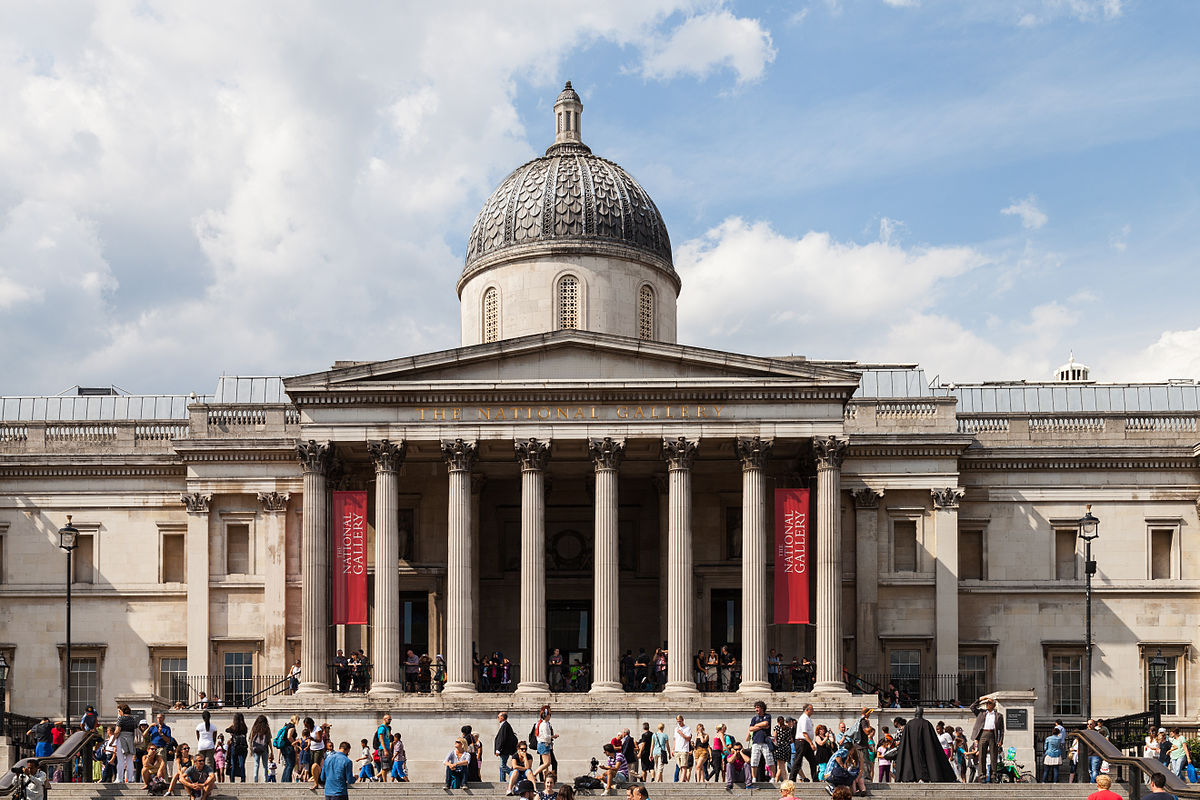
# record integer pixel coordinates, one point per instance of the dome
(569, 201)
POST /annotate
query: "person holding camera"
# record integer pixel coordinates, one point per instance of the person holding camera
(31, 780)
(616, 769)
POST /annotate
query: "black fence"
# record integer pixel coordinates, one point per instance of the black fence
(226, 691)
(16, 727)
(350, 678)
(907, 691)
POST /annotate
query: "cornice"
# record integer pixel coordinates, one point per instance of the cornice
(1062, 458)
(539, 393)
(193, 451)
(76, 465)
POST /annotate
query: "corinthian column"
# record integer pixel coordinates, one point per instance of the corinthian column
(533, 455)
(679, 453)
(460, 457)
(314, 569)
(385, 654)
(606, 455)
(753, 453)
(829, 453)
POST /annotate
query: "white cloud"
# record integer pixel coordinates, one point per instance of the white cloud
(1042, 11)
(1175, 354)
(901, 3)
(1119, 240)
(1031, 216)
(708, 41)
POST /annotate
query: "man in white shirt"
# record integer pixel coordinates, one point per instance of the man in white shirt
(33, 781)
(806, 746)
(989, 732)
(682, 746)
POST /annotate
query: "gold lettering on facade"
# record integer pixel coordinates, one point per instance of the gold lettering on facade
(683, 412)
(562, 412)
(484, 413)
(439, 414)
(718, 409)
(700, 413)
(637, 413)
(545, 415)
(622, 412)
(578, 414)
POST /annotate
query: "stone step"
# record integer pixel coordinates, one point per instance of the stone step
(430, 791)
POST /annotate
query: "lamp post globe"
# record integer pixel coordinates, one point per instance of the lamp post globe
(68, 538)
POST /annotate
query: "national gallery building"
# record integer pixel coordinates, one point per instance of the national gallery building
(572, 477)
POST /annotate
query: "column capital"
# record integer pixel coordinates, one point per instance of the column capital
(273, 502)
(532, 453)
(753, 451)
(829, 451)
(946, 498)
(867, 498)
(607, 452)
(196, 503)
(387, 455)
(314, 456)
(460, 455)
(680, 452)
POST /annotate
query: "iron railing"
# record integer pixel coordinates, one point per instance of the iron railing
(226, 691)
(907, 691)
(350, 678)
(16, 727)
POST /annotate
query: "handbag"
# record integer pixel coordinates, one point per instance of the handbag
(1191, 773)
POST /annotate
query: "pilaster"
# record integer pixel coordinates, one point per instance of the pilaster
(273, 513)
(945, 537)
(753, 452)
(196, 545)
(866, 570)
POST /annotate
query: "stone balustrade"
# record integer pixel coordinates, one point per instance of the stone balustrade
(1017, 428)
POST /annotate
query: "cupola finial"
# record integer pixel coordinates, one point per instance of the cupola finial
(567, 110)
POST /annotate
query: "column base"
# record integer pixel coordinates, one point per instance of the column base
(386, 687)
(606, 687)
(459, 687)
(830, 687)
(754, 687)
(312, 687)
(533, 687)
(680, 687)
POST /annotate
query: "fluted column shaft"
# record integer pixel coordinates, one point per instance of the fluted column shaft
(680, 453)
(385, 653)
(314, 569)
(829, 453)
(753, 454)
(460, 457)
(606, 454)
(533, 455)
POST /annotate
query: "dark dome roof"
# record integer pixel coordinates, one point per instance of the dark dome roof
(569, 200)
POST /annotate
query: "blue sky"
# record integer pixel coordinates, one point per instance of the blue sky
(190, 189)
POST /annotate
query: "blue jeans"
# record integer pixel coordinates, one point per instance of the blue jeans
(1049, 773)
(260, 760)
(456, 778)
(1093, 768)
(237, 766)
(289, 763)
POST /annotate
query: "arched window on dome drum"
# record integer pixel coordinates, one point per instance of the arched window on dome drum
(568, 303)
(491, 315)
(646, 312)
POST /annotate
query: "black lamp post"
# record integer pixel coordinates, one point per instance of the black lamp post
(68, 536)
(1158, 672)
(3, 683)
(1089, 531)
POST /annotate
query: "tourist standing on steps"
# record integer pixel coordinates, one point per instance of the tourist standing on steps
(681, 746)
(287, 749)
(337, 773)
(544, 733)
(238, 747)
(645, 745)
(989, 732)
(260, 746)
(42, 734)
(662, 753)
(806, 747)
(206, 741)
(505, 745)
(127, 725)
(759, 736)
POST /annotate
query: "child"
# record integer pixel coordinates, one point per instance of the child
(367, 771)
(304, 757)
(271, 768)
(399, 770)
(219, 757)
(885, 765)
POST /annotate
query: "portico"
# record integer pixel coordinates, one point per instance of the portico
(548, 440)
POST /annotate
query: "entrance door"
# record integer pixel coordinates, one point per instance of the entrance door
(414, 623)
(726, 620)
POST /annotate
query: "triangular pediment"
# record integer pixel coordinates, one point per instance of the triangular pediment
(570, 357)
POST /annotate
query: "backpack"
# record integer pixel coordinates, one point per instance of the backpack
(533, 737)
(588, 782)
(157, 786)
(281, 738)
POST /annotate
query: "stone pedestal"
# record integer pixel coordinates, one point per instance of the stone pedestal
(680, 453)
(385, 650)
(314, 569)
(829, 453)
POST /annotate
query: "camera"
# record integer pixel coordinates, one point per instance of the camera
(595, 765)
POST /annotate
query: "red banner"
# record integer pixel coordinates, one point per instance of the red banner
(349, 568)
(792, 563)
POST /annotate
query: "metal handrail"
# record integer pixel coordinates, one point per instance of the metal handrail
(1140, 766)
(77, 744)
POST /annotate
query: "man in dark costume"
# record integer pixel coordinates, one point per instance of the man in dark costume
(921, 757)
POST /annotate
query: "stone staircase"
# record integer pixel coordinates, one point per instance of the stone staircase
(675, 791)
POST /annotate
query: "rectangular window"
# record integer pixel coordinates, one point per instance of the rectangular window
(905, 673)
(83, 558)
(904, 545)
(972, 677)
(1161, 544)
(172, 679)
(84, 685)
(1166, 692)
(237, 549)
(1064, 555)
(970, 556)
(239, 677)
(1066, 685)
(172, 558)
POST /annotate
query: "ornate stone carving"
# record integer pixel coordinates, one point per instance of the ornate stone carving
(273, 502)
(607, 452)
(314, 456)
(867, 498)
(532, 453)
(752, 451)
(829, 451)
(387, 455)
(195, 502)
(680, 452)
(946, 498)
(460, 454)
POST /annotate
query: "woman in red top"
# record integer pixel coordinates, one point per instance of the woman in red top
(58, 734)
(1102, 791)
